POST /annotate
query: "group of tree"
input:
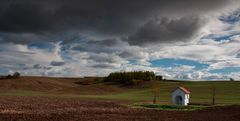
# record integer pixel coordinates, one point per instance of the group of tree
(13, 76)
(131, 78)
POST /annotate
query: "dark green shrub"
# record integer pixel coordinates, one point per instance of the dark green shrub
(16, 75)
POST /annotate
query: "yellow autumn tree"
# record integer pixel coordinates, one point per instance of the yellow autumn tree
(155, 90)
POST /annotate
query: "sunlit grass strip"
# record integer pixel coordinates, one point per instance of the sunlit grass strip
(170, 107)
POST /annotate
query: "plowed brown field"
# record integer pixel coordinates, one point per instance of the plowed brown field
(59, 109)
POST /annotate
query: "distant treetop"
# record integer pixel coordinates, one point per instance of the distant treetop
(130, 77)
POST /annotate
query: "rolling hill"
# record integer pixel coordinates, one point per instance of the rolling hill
(227, 92)
(56, 85)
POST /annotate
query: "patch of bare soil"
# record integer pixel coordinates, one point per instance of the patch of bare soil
(57, 109)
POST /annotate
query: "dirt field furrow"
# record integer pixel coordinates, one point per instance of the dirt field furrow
(58, 109)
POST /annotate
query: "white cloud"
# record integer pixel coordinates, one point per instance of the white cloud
(17, 57)
(184, 68)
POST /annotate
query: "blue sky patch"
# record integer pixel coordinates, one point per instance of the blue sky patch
(3, 71)
(220, 38)
(226, 70)
(41, 45)
(232, 18)
(133, 62)
(169, 62)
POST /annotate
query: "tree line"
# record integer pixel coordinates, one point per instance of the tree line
(132, 78)
(13, 76)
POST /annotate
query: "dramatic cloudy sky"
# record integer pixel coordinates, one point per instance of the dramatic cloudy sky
(179, 39)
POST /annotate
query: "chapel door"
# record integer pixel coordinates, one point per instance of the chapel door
(179, 100)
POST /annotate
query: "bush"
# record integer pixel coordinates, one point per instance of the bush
(9, 76)
(16, 75)
(231, 79)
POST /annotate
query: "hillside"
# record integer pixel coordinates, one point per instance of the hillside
(227, 92)
(55, 85)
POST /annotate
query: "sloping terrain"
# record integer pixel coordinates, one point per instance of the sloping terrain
(55, 85)
(92, 87)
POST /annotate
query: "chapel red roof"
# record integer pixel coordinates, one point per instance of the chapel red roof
(184, 90)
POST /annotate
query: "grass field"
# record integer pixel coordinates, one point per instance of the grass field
(171, 107)
(226, 92)
(201, 92)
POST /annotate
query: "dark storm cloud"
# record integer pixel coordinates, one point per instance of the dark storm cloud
(102, 66)
(60, 15)
(100, 46)
(39, 66)
(26, 38)
(166, 30)
(106, 17)
(57, 63)
(106, 42)
(131, 54)
(102, 58)
(127, 54)
(238, 55)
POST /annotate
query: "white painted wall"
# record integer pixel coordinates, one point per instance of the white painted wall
(179, 92)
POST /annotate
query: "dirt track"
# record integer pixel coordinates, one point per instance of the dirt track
(45, 109)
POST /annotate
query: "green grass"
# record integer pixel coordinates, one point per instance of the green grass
(170, 107)
(226, 93)
(22, 93)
